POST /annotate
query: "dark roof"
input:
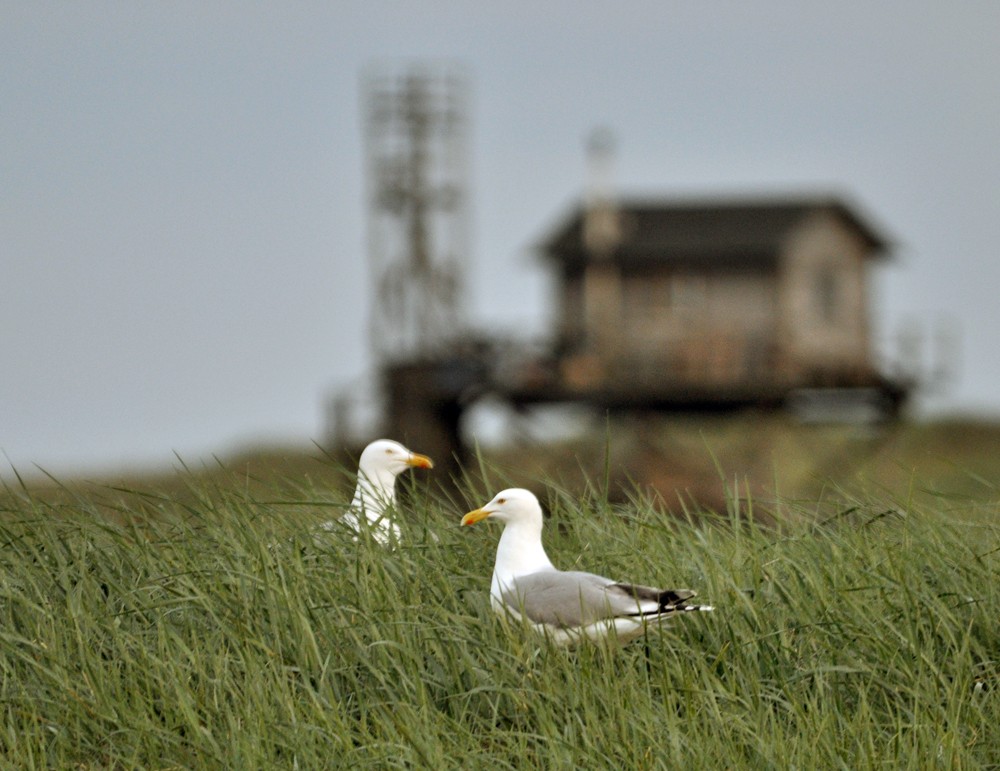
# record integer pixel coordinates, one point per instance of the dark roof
(698, 229)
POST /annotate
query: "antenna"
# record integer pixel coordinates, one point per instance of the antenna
(602, 294)
(415, 142)
(601, 226)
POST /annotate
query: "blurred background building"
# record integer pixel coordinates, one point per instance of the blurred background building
(706, 305)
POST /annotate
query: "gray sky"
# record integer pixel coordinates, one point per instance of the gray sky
(181, 184)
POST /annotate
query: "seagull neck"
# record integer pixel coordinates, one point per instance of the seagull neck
(374, 493)
(520, 552)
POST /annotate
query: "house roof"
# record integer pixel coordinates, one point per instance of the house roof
(706, 229)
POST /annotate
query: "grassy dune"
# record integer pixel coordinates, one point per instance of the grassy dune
(210, 627)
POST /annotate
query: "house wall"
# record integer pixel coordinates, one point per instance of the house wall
(715, 326)
(679, 323)
(569, 319)
(824, 324)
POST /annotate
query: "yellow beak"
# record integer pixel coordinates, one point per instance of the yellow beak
(475, 516)
(419, 461)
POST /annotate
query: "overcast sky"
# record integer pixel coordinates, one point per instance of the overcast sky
(181, 184)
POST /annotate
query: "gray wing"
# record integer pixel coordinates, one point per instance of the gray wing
(572, 599)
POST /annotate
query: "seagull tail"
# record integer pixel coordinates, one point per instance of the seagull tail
(676, 601)
(688, 608)
(668, 600)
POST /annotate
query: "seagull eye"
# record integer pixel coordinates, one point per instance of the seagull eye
(502, 501)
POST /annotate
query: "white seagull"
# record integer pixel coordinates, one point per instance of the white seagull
(380, 463)
(566, 606)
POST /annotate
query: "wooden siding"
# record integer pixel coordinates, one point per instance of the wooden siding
(824, 322)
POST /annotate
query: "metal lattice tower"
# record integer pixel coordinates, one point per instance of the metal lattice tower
(415, 141)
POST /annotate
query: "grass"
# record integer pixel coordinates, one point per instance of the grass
(214, 629)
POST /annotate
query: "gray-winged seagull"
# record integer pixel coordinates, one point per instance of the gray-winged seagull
(566, 606)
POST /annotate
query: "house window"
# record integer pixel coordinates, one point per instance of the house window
(827, 293)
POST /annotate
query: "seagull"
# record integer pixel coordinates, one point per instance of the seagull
(380, 463)
(565, 606)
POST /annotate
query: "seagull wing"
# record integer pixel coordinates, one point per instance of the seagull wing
(572, 599)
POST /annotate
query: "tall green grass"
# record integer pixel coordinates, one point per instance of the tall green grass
(218, 629)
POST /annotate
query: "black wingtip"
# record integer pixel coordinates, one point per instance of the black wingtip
(670, 598)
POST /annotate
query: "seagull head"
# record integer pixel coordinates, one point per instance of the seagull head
(385, 455)
(513, 506)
